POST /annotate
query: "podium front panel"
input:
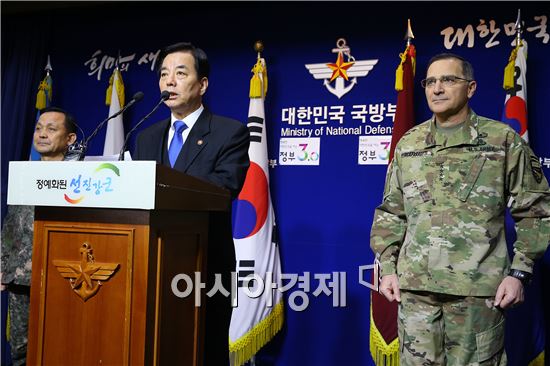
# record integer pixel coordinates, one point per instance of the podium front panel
(86, 272)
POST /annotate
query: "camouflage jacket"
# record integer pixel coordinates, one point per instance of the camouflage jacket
(17, 235)
(440, 226)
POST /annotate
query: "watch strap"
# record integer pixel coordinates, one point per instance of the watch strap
(524, 277)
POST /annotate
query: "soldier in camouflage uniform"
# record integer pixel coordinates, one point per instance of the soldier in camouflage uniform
(440, 229)
(54, 132)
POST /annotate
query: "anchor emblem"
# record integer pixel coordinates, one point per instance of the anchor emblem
(82, 275)
(341, 71)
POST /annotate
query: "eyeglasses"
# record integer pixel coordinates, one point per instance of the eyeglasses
(445, 80)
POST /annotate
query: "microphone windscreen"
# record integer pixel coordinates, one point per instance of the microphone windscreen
(138, 96)
(165, 94)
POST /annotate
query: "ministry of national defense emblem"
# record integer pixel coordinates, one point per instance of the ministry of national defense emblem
(82, 274)
(341, 76)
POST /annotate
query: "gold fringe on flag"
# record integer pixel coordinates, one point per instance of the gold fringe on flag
(509, 70)
(410, 50)
(119, 89)
(382, 353)
(256, 81)
(44, 91)
(8, 325)
(248, 345)
(538, 361)
(399, 71)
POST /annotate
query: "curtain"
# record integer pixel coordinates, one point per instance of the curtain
(24, 56)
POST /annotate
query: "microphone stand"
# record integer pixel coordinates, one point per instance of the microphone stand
(77, 151)
(163, 96)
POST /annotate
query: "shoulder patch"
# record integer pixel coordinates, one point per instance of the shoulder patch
(536, 168)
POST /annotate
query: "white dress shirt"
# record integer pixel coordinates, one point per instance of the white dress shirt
(190, 121)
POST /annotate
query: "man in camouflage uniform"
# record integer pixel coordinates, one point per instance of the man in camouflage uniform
(440, 229)
(54, 132)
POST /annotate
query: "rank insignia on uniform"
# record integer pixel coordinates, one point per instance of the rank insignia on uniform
(536, 168)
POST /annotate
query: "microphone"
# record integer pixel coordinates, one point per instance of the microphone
(165, 94)
(78, 151)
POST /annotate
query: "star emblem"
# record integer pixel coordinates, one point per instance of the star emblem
(340, 77)
(339, 69)
(82, 275)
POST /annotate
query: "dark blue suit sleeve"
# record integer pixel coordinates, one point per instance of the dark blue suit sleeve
(232, 162)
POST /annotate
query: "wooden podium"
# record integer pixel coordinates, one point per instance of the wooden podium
(101, 291)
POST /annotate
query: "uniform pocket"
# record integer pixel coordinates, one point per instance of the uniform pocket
(490, 342)
(465, 187)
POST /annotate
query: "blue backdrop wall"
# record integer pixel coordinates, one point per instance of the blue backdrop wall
(323, 202)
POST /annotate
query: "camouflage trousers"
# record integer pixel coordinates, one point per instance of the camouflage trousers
(18, 305)
(439, 329)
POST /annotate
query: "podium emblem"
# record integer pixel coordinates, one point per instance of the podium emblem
(85, 276)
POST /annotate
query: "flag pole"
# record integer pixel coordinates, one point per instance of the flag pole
(528, 320)
(255, 321)
(259, 47)
(48, 67)
(258, 87)
(519, 28)
(115, 99)
(383, 338)
(43, 100)
(509, 70)
(409, 36)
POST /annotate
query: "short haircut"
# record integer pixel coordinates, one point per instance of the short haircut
(70, 122)
(467, 68)
(201, 60)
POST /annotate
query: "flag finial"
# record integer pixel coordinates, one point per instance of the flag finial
(259, 47)
(117, 60)
(509, 70)
(409, 35)
(48, 67)
(519, 27)
(258, 83)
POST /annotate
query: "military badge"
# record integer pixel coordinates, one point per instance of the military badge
(342, 71)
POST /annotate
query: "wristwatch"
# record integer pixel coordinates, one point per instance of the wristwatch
(524, 277)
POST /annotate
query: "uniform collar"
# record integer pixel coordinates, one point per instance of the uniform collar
(467, 134)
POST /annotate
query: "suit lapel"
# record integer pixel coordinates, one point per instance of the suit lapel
(195, 142)
(160, 137)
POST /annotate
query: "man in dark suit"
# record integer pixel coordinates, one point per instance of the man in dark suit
(207, 146)
(215, 148)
